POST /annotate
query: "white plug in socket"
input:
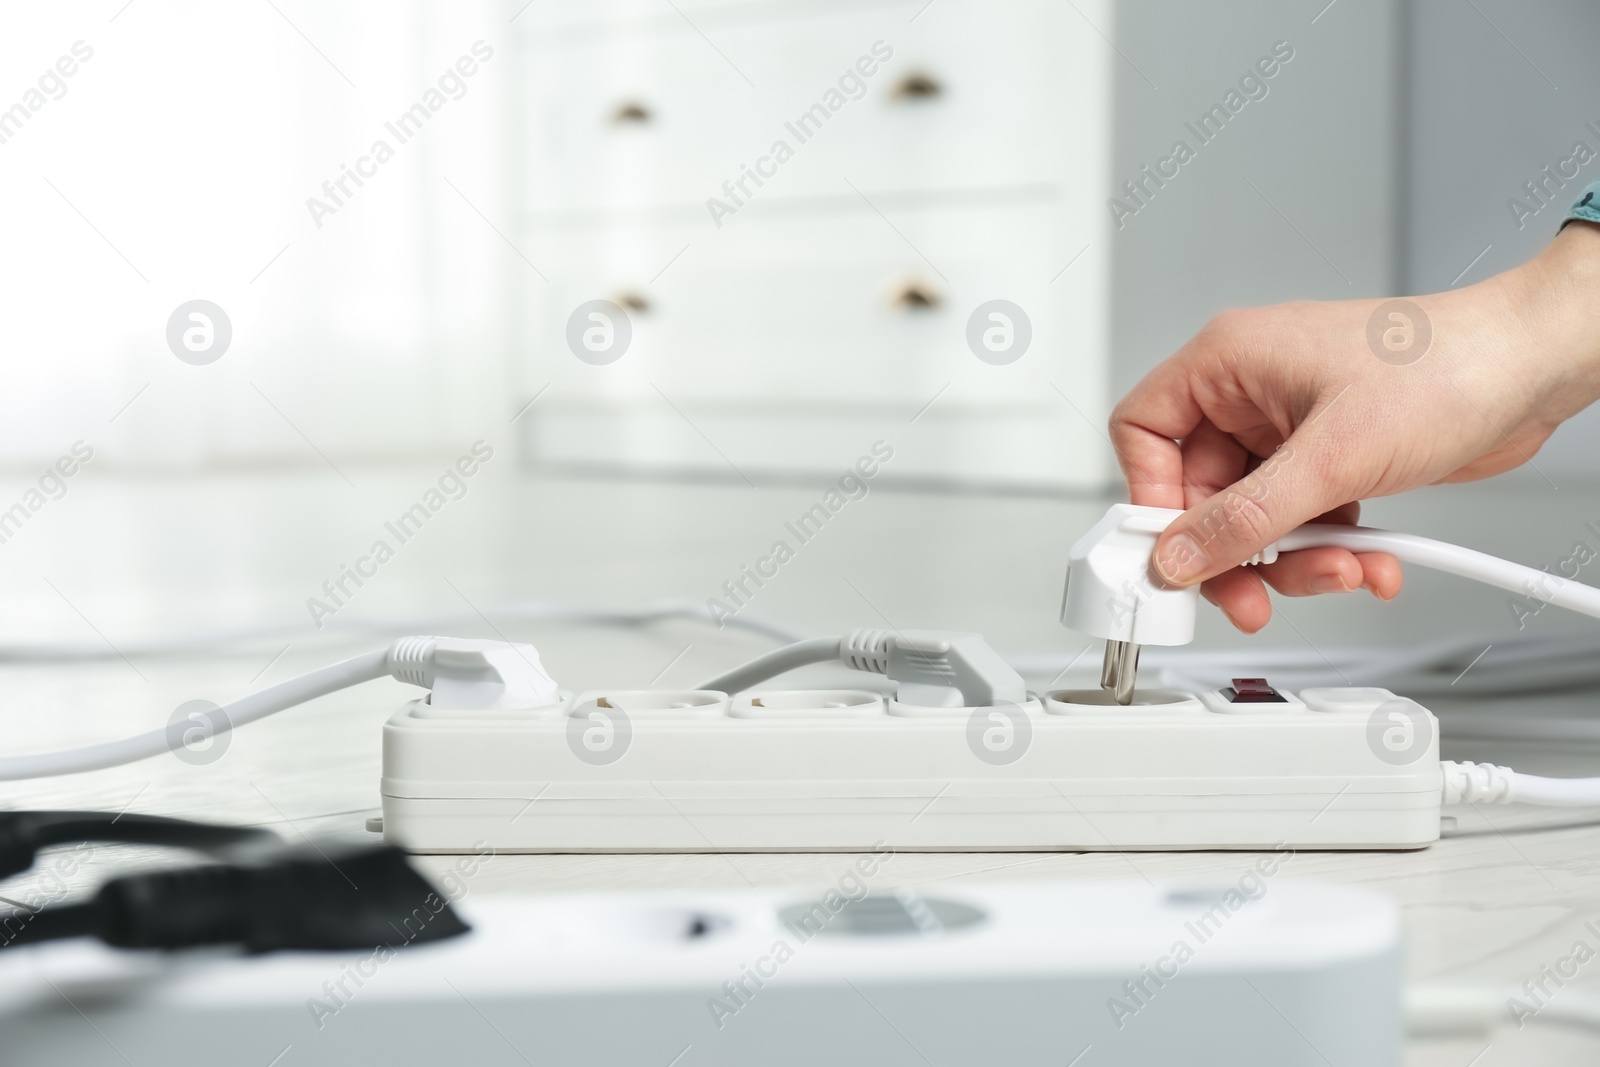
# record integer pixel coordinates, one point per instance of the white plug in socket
(471, 674)
(1113, 591)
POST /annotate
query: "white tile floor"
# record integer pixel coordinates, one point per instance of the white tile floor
(122, 561)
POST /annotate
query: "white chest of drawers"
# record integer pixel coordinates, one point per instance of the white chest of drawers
(936, 159)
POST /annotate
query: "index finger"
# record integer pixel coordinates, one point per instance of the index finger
(1145, 430)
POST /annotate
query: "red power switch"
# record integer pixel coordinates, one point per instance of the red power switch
(1252, 691)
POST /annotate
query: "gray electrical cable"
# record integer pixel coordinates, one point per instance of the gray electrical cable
(776, 662)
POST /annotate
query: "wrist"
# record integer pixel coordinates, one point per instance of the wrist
(1556, 298)
(1575, 254)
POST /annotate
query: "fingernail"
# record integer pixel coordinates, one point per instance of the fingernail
(1180, 559)
(1369, 587)
(1330, 583)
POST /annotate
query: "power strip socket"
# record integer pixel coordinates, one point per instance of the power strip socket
(1259, 971)
(847, 770)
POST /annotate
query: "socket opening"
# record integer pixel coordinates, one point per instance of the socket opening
(1102, 702)
(807, 704)
(668, 923)
(664, 703)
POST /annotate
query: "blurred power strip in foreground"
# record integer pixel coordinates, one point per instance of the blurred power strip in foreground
(1261, 971)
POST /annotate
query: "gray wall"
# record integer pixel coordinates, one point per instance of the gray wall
(1297, 197)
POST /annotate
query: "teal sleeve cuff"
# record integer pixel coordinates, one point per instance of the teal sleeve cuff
(1588, 205)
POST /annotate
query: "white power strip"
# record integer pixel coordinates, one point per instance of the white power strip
(847, 770)
(1258, 972)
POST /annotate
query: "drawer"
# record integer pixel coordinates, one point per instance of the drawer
(821, 306)
(789, 337)
(972, 96)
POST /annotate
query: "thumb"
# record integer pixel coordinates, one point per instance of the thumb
(1225, 530)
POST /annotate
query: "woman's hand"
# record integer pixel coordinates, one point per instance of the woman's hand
(1273, 417)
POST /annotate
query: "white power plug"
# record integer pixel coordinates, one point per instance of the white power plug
(943, 669)
(474, 674)
(1113, 591)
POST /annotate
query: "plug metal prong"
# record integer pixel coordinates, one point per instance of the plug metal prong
(1110, 665)
(1119, 670)
(1127, 674)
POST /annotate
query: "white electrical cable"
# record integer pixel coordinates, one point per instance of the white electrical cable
(1451, 559)
(1487, 783)
(1460, 1011)
(354, 671)
(459, 672)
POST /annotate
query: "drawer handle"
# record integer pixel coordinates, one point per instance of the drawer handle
(632, 112)
(633, 303)
(914, 296)
(917, 86)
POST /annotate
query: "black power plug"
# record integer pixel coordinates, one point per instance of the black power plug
(332, 898)
(24, 833)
